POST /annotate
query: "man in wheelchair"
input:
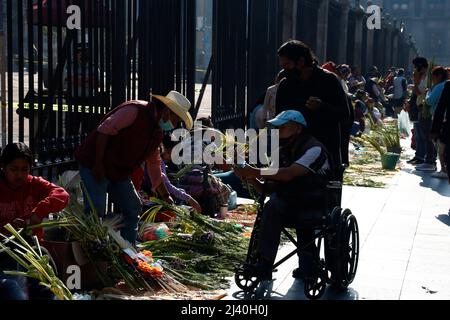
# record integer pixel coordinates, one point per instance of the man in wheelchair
(296, 195)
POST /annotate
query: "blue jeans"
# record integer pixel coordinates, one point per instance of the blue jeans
(429, 149)
(12, 288)
(122, 193)
(420, 141)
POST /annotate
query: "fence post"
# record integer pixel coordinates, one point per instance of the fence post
(2, 77)
(119, 55)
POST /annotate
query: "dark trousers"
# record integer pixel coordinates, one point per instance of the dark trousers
(426, 141)
(277, 214)
(20, 287)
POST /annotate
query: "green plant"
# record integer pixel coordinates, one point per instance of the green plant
(383, 137)
(36, 264)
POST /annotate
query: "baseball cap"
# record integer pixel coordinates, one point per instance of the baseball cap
(286, 116)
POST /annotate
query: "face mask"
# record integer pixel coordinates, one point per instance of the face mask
(166, 126)
(293, 73)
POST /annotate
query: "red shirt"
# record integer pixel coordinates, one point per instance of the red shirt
(37, 196)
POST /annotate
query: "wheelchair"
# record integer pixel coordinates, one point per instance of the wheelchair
(336, 237)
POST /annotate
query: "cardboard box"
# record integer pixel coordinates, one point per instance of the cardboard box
(66, 254)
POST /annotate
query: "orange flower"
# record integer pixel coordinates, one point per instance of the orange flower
(147, 253)
(147, 269)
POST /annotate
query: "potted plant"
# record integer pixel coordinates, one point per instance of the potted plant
(389, 134)
(379, 142)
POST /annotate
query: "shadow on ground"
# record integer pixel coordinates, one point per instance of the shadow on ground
(444, 218)
(437, 185)
(296, 292)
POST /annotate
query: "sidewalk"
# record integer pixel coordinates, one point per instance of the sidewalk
(404, 243)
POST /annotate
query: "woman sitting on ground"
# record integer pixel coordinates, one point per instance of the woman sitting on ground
(24, 200)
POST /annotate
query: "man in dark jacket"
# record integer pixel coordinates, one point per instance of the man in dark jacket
(318, 95)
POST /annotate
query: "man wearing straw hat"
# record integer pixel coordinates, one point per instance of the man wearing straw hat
(128, 136)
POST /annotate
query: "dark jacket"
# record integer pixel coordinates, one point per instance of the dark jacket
(332, 122)
(306, 187)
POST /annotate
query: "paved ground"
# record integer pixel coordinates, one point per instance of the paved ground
(405, 243)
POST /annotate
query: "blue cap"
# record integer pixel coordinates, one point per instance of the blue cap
(286, 116)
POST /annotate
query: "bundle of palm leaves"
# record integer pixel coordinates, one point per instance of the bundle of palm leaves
(36, 264)
(201, 252)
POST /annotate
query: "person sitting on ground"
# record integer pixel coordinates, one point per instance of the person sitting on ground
(361, 111)
(373, 111)
(356, 81)
(300, 181)
(24, 200)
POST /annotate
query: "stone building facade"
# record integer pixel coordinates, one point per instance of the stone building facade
(429, 23)
(338, 31)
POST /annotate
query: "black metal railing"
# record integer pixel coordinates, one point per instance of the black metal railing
(61, 82)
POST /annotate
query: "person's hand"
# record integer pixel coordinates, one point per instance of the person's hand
(313, 103)
(245, 173)
(168, 199)
(194, 204)
(19, 224)
(98, 171)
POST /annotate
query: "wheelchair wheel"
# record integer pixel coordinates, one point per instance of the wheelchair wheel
(315, 288)
(347, 251)
(246, 281)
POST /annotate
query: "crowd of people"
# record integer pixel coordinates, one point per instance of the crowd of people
(316, 109)
(374, 97)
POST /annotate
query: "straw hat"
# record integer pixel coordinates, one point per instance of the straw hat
(178, 104)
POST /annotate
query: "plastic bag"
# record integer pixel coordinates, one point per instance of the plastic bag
(404, 125)
(152, 232)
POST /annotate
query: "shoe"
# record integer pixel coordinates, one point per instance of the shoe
(264, 290)
(261, 270)
(440, 175)
(298, 274)
(415, 161)
(426, 167)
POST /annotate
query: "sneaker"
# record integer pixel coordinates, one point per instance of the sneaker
(426, 167)
(415, 161)
(440, 175)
